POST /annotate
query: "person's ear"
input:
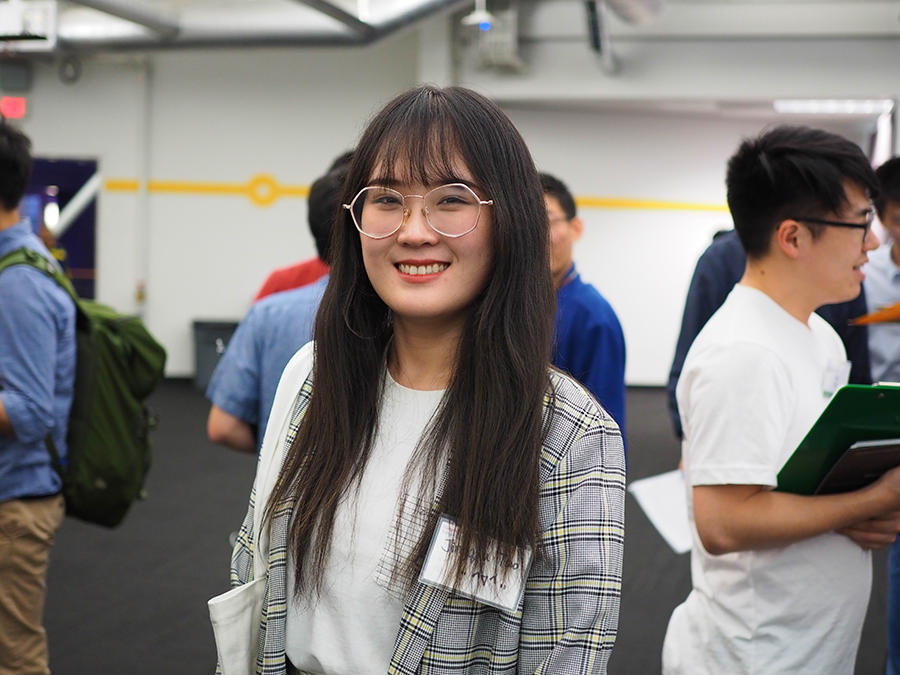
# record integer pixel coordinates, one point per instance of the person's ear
(577, 225)
(790, 237)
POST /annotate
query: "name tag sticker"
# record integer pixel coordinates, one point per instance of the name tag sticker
(837, 374)
(503, 589)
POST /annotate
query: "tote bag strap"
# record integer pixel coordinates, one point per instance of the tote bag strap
(270, 466)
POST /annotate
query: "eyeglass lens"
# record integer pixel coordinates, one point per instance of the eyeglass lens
(450, 210)
(865, 227)
(870, 218)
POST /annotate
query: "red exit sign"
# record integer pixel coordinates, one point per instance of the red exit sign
(13, 107)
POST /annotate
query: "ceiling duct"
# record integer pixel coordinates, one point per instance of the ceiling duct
(635, 12)
(345, 17)
(161, 22)
(124, 25)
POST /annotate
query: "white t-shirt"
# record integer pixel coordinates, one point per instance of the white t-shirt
(352, 628)
(754, 382)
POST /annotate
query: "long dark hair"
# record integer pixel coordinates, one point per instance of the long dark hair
(485, 439)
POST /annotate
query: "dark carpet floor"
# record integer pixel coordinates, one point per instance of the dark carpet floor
(132, 601)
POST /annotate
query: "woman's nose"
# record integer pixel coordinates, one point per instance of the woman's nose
(415, 227)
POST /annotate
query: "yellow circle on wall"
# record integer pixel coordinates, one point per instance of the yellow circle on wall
(263, 190)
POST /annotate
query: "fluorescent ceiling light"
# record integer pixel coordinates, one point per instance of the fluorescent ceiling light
(834, 106)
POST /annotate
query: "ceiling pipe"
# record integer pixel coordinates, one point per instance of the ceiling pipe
(301, 26)
(598, 34)
(163, 23)
(635, 12)
(335, 12)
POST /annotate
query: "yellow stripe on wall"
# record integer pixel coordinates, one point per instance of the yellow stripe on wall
(196, 188)
(264, 190)
(644, 204)
(121, 185)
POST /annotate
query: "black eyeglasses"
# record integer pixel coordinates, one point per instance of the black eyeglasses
(866, 226)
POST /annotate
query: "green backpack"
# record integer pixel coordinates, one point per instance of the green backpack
(118, 364)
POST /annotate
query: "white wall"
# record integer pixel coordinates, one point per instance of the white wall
(226, 117)
(98, 118)
(710, 69)
(223, 117)
(641, 259)
(725, 51)
(211, 117)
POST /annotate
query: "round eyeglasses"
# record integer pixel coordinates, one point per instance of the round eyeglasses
(450, 210)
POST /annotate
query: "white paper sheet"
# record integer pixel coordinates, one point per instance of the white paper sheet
(664, 499)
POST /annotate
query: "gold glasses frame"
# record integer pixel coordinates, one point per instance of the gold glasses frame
(407, 212)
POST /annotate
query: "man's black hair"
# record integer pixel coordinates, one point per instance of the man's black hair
(15, 165)
(888, 184)
(553, 186)
(342, 161)
(791, 172)
(324, 203)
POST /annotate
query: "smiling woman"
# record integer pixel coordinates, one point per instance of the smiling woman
(429, 277)
(446, 502)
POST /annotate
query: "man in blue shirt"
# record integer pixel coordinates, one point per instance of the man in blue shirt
(882, 283)
(37, 376)
(882, 286)
(243, 384)
(590, 345)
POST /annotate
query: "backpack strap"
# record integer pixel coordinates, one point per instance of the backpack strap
(55, 460)
(27, 256)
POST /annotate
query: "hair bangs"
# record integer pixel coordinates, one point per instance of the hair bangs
(819, 188)
(419, 150)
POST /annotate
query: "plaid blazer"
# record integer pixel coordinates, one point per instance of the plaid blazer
(566, 622)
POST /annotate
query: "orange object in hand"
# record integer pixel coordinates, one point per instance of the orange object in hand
(884, 315)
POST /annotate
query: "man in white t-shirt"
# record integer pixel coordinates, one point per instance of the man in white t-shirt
(780, 582)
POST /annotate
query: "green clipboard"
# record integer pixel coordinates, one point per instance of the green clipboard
(855, 413)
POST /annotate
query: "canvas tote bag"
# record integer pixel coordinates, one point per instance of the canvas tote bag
(236, 614)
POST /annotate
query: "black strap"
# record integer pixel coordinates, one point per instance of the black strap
(55, 460)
